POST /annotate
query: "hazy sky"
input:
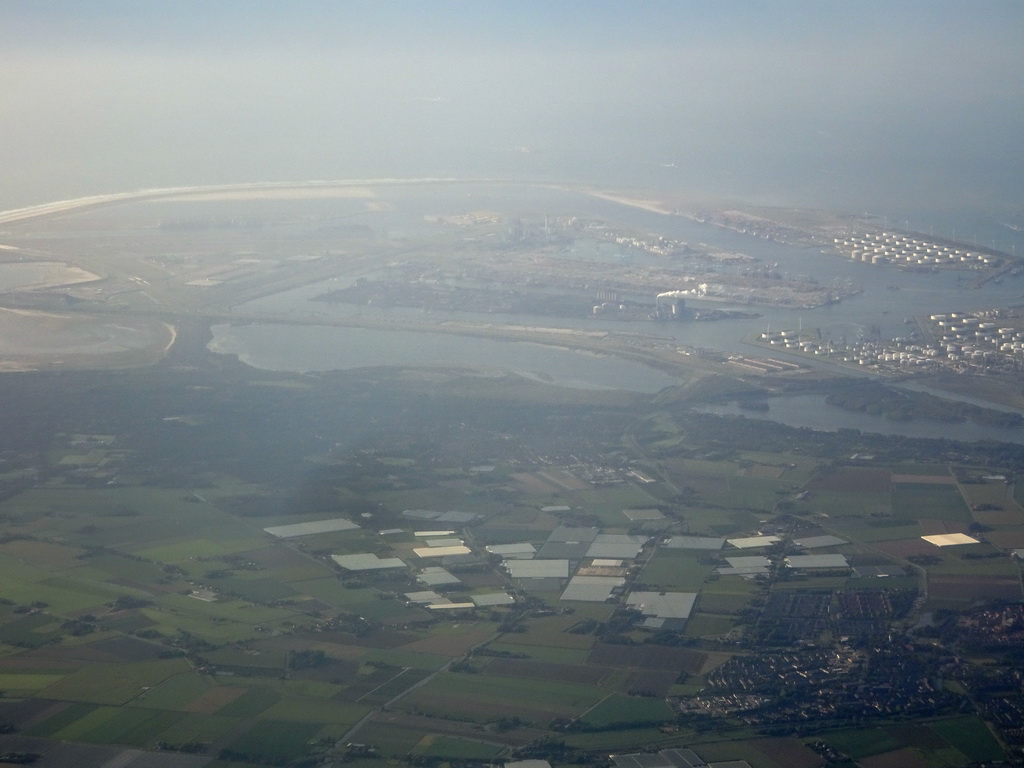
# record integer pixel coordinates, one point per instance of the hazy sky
(859, 105)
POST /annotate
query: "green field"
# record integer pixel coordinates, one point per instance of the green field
(863, 742)
(114, 683)
(627, 710)
(271, 740)
(912, 501)
(455, 748)
(672, 569)
(970, 736)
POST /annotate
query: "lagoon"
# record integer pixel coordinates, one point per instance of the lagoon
(305, 348)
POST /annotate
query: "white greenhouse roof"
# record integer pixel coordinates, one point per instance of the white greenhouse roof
(456, 517)
(493, 598)
(650, 513)
(426, 596)
(572, 534)
(816, 542)
(750, 570)
(445, 541)
(664, 605)
(817, 561)
(538, 569)
(753, 542)
(877, 572)
(694, 542)
(753, 561)
(443, 551)
(949, 539)
(591, 589)
(308, 529)
(435, 576)
(616, 545)
(506, 550)
(366, 562)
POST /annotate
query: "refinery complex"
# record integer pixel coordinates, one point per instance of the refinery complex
(959, 342)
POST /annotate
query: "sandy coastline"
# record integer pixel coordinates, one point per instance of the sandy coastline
(647, 205)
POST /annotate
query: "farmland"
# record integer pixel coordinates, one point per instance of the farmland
(156, 612)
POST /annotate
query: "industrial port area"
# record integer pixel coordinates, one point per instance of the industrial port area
(575, 267)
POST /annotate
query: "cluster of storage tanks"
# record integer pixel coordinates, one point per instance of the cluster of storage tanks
(971, 338)
(898, 353)
(905, 251)
(962, 340)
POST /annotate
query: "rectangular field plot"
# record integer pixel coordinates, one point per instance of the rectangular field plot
(381, 685)
(970, 736)
(678, 570)
(397, 733)
(542, 653)
(135, 727)
(59, 718)
(726, 596)
(540, 670)
(400, 658)
(30, 630)
(553, 632)
(176, 692)
(274, 741)
(452, 640)
(767, 752)
(852, 504)
(622, 741)
(42, 554)
(854, 480)
(961, 591)
(393, 739)
(863, 742)
(452, 747)
(255, 701)
(738, 491)
(628, 710)
(191, 727)
(13, 684)
(62, 594)
(671, 660)
(879, 529)
(608, 502)
(485, 697)
(311, 710)
(261, 589)
(120, 725)
(113, 683)
(709, 625)
(911, 501)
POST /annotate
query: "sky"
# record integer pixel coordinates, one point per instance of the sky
(856, 106)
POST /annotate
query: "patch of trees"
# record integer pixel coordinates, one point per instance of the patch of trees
(901, 405)
(307, 659)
